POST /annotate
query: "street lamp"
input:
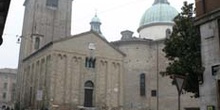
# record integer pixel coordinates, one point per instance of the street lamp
(179, 82)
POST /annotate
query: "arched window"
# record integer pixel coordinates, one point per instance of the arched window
(168, 33)
(88, 97)
(142, 84)
(87, 62)
(89, 84)
(37, 43)
(93, 63)
(90, 62)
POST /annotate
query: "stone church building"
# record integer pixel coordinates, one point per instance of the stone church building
(60, 71)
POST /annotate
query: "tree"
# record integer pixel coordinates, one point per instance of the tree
(182, 48)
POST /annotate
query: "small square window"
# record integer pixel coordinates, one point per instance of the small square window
(52, 3)
(154, 93)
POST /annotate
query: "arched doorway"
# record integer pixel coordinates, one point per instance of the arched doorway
(88, 97)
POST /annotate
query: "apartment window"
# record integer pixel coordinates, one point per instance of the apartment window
(52, 3)
(13, 96)
(90, 62)
(13, 87)
(142, 84)
(5, 85)
(4, 95)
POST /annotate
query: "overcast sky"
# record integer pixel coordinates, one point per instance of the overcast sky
(115, 15)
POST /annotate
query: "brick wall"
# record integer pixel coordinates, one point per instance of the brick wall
(206, 6)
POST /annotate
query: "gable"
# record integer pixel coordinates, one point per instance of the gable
(88, 43)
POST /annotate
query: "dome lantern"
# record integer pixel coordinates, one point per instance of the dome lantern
(95, 24)
(160, 1)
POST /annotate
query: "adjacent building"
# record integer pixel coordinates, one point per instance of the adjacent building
(208, 22)
(7, 87)
(63, 72)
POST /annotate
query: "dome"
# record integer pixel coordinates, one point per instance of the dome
(158, 13)
(95, 19)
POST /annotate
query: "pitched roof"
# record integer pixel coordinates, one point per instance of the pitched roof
(96, 34)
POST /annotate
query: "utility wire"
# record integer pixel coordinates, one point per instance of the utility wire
(115, 7)
(122, 5)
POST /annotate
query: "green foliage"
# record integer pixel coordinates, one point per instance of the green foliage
(182, 49)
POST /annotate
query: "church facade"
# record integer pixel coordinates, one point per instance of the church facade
(58, 71)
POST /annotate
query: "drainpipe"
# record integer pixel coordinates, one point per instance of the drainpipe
(157, 76)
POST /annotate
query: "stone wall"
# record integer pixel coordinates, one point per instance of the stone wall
(55, 76)
(146, 56)
(210, 57)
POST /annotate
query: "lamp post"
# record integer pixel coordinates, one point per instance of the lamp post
(179, 82)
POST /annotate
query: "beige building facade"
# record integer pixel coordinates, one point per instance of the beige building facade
(58, 75)
(58, 71)
(145, 57)
(8, 78)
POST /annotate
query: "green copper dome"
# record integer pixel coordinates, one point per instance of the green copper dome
(160, 12)
(95, 19)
